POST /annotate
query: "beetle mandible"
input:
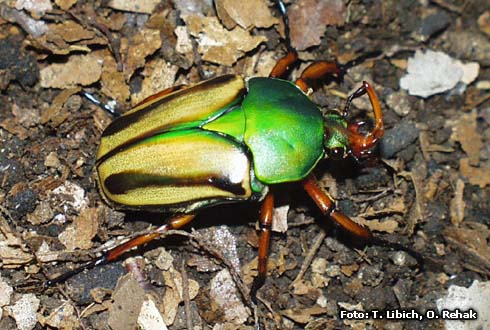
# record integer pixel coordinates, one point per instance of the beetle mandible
(225, 140)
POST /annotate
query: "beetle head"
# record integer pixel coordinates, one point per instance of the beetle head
(343, 138)
(363, 144)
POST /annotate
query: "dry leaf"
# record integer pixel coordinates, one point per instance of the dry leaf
(309, 20)
(140, 6)
(218, 45)
(150, 317)
(476, 175)
(472, 240)
(57, 114)
(63, 317)
(69, 31)
(388, 226)
(247, 14)
(128, 299)
(303, 315)
(65, 4)
(174, 293)
(224, 292)
(79, 234)
(113, 82)
(465, 132)
(78, 70)
(457, 204)
(137, 48)
(159, 75)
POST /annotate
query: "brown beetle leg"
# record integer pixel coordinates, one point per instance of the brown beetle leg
(114, 253)
(284, 64)
(317, 70)
(327, 206)
(362, 143)
(264, 243)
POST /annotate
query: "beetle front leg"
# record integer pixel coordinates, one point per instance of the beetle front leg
(317, 70)
(114, 253)
(327, 206)
(264, 243)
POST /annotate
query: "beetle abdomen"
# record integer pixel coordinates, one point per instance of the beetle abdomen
(284, 130)
(176, 170)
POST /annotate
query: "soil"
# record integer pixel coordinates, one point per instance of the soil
(417, 190)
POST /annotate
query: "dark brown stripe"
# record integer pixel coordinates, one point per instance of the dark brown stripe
(122, 183)
(126, 120)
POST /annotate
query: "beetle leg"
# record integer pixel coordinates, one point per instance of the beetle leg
(327, 206)
(284, 64)
(264, 243)
(317, 70)
(114, 253)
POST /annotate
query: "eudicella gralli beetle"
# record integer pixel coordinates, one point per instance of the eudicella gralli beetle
(227, 140)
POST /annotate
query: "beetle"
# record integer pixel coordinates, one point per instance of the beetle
(226, 140)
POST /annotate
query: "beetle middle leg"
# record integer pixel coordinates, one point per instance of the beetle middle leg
(327, 207)
(114, 253)
(285, 63)
(264, 243)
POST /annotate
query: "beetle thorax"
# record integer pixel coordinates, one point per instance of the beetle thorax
(336, 138)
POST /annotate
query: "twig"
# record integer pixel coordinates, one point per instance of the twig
(185, 296)
(309, 256)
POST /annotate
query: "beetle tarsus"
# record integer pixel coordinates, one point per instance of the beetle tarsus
(101, 104)
(256, 285)
(88, 265)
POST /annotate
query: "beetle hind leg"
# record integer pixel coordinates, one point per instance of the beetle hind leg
(264, 243)
(114, 253)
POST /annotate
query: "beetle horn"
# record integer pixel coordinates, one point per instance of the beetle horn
(361, 144)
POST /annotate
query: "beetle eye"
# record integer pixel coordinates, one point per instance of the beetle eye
(336, 153)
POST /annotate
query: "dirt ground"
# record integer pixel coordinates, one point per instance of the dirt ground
(426, 188)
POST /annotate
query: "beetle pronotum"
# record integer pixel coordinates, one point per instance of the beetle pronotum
(226, 140)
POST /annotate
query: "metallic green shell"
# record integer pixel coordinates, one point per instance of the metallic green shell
(284, 130)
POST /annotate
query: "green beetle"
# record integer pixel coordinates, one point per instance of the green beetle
(227, 140)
